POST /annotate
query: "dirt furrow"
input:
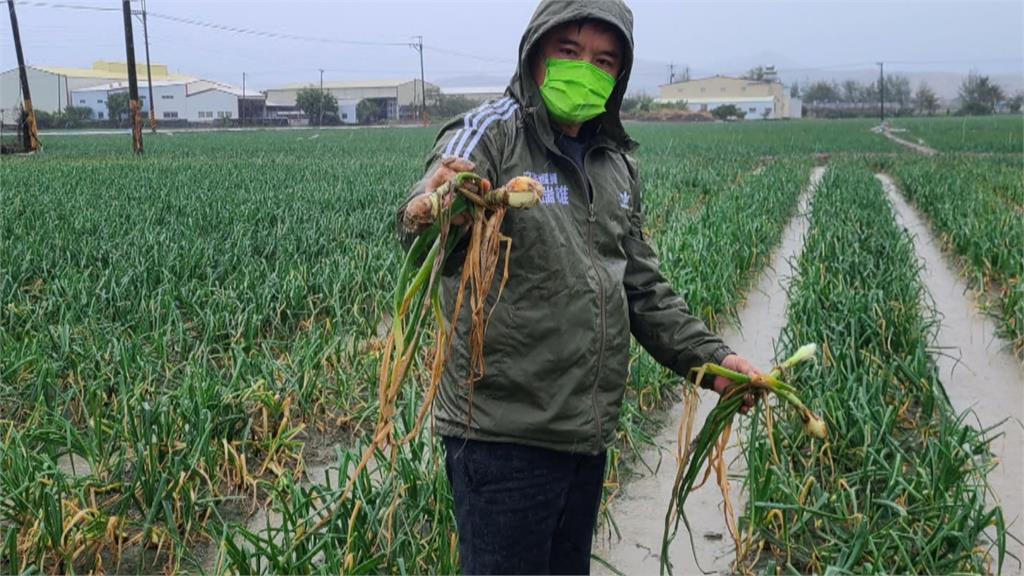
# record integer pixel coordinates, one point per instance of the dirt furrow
(321, 468)
(640, 511)
(977, 371)
(919, 148)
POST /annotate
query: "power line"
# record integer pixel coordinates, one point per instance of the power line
(503, 61)
(69, 6)
(252, 68)
(267, 34)
(270, 34)
(468, 55)
(220, 27)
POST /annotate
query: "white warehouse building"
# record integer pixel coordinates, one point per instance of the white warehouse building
(52, 87)
(194, 101)
(399, 99)
(758, 99)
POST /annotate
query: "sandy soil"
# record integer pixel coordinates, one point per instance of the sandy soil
(640, 511)
(320, 457)
(74, 465)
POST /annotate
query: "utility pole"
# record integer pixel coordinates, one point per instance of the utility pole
(29, 132)
(133, 80)
(58, 93)
(881, 92)
(321, 106)
(671, 73)
(418, 46)
(241, 111)
(149, 72)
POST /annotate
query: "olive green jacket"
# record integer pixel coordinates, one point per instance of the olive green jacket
(582, 277)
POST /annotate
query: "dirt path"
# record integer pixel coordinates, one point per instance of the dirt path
(976, 370)
(640, 512)
(919, 148)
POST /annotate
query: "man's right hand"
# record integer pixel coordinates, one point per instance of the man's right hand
(418, 212)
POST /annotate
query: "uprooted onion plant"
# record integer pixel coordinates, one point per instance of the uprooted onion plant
(710, 444)
(418, 299)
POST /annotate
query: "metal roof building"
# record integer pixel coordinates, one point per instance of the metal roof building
(52, 86)
(193, 100)
(759, 99)
(400, 98)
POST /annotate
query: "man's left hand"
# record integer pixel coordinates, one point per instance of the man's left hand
(737, 363)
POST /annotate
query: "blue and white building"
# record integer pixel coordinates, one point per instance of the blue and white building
(195, 100)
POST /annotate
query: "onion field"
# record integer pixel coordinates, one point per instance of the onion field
(189, 348)
(901, 486)
(976, 206)
(984, 134)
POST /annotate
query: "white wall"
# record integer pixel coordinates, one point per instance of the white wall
(347, 111)
(95, 100)
(754, 109)
(168, 101)
(758, 110)
(796, 108)
(48, 91)
(172, 102)
(406, 93)
(211, 105)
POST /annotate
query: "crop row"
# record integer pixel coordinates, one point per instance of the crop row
(976, 207)
(899, 486)
(792, 137)
(185, 322)
(174, 324)
(399, 515)
(711, 248)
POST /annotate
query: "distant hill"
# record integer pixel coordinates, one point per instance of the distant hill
(650, 74)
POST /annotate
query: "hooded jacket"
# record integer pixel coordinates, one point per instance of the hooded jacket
(582, 276)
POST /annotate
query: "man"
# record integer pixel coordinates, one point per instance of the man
(526, 447)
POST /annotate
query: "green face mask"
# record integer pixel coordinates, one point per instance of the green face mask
(575, 91)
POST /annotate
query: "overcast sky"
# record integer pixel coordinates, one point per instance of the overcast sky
(480, 39)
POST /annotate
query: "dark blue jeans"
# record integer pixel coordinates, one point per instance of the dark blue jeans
(521, 509)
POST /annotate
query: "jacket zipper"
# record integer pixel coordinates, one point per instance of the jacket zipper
(591, 218)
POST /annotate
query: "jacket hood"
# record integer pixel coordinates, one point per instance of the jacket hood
(553, 13)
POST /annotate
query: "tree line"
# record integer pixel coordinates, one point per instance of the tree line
(977, 95)
(321, 107)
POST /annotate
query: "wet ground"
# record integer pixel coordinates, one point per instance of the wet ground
(320, 467)
(640, 510)
(977, 370)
